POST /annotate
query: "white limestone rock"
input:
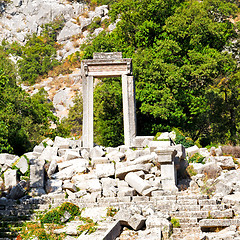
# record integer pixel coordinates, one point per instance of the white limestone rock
(22, 164)
(53, 185)
(192, 150)
(225, 162)
(68, 172)
(68, 185)
(10, 178)
(68, 31)
(48, 153)
(77, 163)
(91, 185)
(123, 171)
(105, 170)
(96, 152)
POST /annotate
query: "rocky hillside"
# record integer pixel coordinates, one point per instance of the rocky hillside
(22, 18)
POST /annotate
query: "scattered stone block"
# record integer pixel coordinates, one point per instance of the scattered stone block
(158, 144)
(143, 159)
(52, 168)
(38, 149)
(71, 154)
(122, 172)
(91, 185)
(48, 153)
(53, 185)
(225, 162)
(137, 183)
(126, 191)
(137, 222)
(69, 172)
(10, 178)
(192, 150)
(18, 191)
(68, 185)
(116, 156)
(99, 160)
(105, 170)
(22, 164)
(96, 152)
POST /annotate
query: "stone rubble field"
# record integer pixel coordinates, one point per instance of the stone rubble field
(205, 205)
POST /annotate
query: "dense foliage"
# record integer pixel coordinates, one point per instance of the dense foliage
(24, 120)
(185, 77)
(37, 56)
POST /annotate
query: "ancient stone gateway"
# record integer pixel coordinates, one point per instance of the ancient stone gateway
(108, 65)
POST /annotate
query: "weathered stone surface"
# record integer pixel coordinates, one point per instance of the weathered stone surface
(99, 160)
(192, 150)
(6, 158)
(52, 167)
(126, 191)
(219, 222)
(68, 31)
(22, 164)
(53, 185)
(154, 221)
(68, 185)
(96, 152)
(122, 172)
(115, 156)
(91, 185)
(77, 163)
(48, 153)
(158, 144)
(18, 191)
(225, 162)
(137, 222)
(105, 170)
(10, 178)
(38, 149)
(71, 154)
(36, 176)
(143, 159)
(137, 183)
(223, 189)
(69, 172)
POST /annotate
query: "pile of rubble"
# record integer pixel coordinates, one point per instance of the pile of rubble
(148, 186)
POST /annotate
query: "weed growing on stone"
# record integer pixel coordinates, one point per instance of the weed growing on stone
(175, 222)
(111, 211)
(191, 171)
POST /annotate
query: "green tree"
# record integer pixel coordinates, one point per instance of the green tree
(108, 114)
(178, 57)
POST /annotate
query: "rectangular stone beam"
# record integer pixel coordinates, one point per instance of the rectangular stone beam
(129, 109)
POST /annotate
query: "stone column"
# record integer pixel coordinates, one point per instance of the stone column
(87, 112)
(168, 168)
(129, 109)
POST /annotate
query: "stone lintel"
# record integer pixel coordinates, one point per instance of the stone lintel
(106, 67)
(107, 55)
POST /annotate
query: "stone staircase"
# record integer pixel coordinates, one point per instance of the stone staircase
(197, 214)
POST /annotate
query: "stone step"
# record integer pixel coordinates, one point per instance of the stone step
(191, 196)
(192, 214)
(188, 220)
(213, 207)
(189, 207)
(211, 223)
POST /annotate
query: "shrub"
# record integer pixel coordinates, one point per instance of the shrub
(191, 171)
(197, 158)
(182, 139)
